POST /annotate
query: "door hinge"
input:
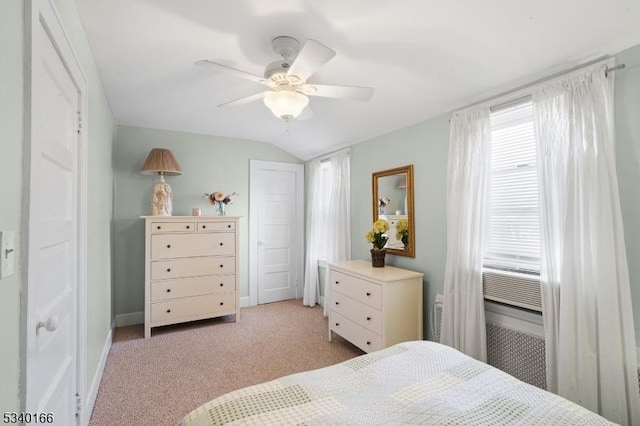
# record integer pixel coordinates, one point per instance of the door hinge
(79, 122)
(78, 404)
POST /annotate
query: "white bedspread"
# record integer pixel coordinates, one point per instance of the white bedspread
(410, 383)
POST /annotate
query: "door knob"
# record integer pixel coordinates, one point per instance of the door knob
(51, 324)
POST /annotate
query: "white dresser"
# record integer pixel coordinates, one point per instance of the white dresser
(191, 265)
(374, 308)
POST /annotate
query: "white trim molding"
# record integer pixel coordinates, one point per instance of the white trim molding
(131, 318)
(97, 378)
(298, 168)
(43, 14)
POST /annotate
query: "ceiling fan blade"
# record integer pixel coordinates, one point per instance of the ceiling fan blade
(244, 100)
(312, 56)
(354, 93)
(219, 67)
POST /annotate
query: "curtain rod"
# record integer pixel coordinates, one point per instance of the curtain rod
(327, 156)
(520, 99)
(612, 69)
(526, 89)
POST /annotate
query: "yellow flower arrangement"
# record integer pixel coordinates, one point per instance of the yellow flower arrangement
(402, 231)
(376, 235)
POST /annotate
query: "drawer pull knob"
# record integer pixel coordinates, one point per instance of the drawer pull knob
(221, 265)
(159, 227)
(168, 311)
(168, 245)
(168, 269)
(368, 318)
(229, 226)
(221, 244)
(337, 324)
(221, 284)
(368, 294)
(337, 282)
(368, 343)
(168, 290)
(188, 227)
(204, 226)
(221, 303)
(337, 303)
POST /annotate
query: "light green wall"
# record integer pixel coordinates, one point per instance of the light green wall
(99, 125)
(11, 136)
(425, 146)
(208, 163)
(628, 163)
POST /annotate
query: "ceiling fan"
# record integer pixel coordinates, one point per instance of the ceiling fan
(287, 78)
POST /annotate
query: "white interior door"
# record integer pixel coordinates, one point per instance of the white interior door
(53, 267)
(277, 229)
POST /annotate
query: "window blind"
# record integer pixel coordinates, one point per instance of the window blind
(326, 182)
(514, 228)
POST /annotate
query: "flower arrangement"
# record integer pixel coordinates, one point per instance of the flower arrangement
(220, 200)
(377, 236)
(382, 203)
(402, 231)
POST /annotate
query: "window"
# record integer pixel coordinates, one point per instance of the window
(324, 193)
(514, 228)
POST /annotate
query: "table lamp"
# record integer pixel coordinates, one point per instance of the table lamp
(162, 162)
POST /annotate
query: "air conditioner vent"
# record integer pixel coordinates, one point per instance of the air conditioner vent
(513, 288)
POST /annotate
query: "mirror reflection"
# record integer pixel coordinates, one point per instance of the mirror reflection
(393, 202)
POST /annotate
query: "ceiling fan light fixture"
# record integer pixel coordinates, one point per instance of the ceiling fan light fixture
(286, 104)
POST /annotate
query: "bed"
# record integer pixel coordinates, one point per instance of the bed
(417, 382)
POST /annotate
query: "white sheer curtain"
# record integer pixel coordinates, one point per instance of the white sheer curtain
(328, 218)
(339, 214)
(463, 321)
(315, 200)
(590, 340)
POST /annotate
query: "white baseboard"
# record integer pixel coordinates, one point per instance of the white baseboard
(245, 302)
(97, 377)
(131, 318)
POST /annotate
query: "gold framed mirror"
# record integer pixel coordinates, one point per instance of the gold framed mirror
(392, 195)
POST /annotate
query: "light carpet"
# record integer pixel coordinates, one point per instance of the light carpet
(158, 380)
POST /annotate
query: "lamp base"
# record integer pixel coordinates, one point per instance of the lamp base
(161, 204)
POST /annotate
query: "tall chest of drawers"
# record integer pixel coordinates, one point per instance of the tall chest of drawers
(191, 266)
(374, 308)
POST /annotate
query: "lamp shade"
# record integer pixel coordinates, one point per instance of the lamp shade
(286, 104)
(161, 161)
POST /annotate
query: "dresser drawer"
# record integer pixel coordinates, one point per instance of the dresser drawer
(363, 338)
(357, 288)
(172, 310)
(204, 227)
(192, 267)
(358, 312)
(166, 246)
(185, 287)
(163, 227)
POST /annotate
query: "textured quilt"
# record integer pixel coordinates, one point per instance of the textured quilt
(410, 383)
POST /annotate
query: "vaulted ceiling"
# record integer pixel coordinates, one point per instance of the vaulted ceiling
(423, 59)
